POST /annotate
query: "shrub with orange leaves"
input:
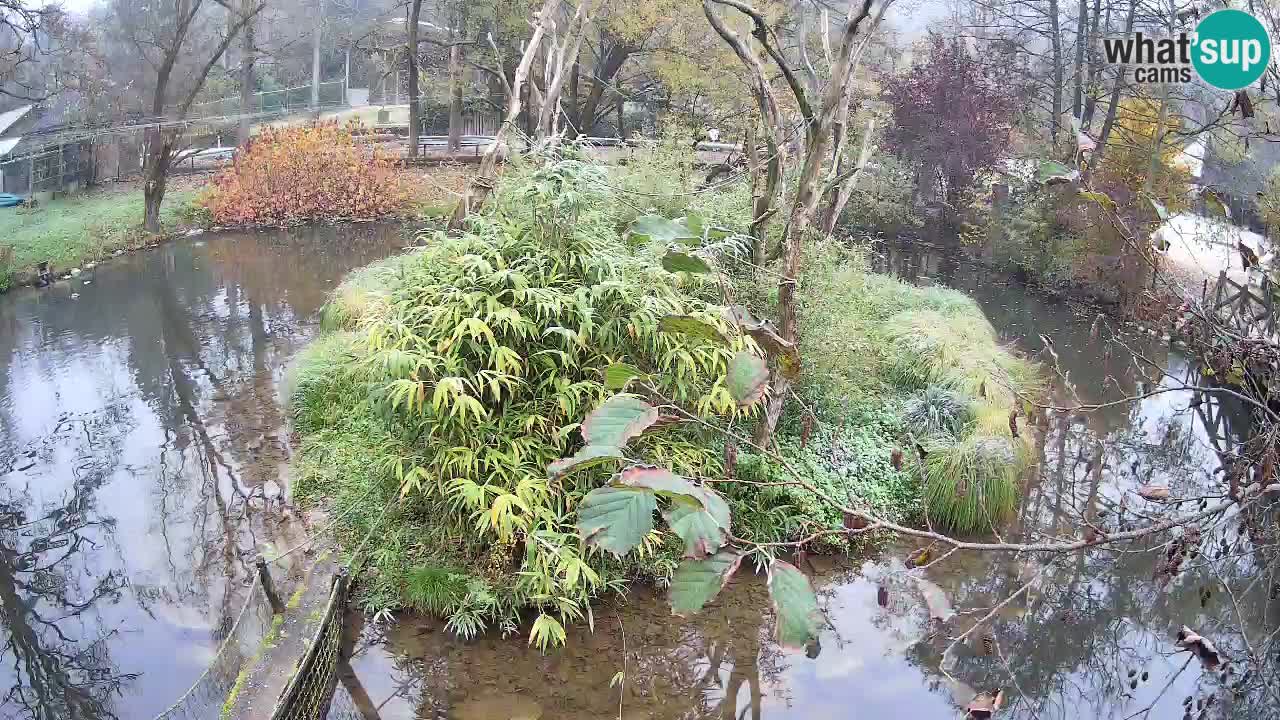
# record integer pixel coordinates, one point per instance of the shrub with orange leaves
(301, 173)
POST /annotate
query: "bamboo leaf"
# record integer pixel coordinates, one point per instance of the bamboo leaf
(546, 633)
(697, 582)
(675, 261)
(1216, 207)
(619, 419)
(795, 604)
(1100, 198)
(747, 378)
(701, 532)
(617, 375)
(589, 456)
(616, 518)
(689, 325)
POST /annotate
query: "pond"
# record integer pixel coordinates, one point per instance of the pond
(141, 441)
(1084, 636)
(142, 444)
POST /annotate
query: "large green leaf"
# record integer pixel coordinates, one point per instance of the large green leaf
(659, 228)
(748, 377)
(675, 261)
(617, 375)
(619, 419)
(703, 230)
(701, 532)
(588, 456)
(689, 325)
(714, 504)
(696, 582)
(655, 478)
(1051, 171)
(799, 618)
(616, 518)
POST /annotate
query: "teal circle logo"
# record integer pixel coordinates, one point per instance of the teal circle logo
(1232, 49)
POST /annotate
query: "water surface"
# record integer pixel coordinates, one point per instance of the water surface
(142, 444)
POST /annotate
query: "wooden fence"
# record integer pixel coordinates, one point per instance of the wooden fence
(1249, 310)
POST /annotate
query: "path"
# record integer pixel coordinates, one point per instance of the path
(265, 676)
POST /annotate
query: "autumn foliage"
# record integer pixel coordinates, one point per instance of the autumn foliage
(296, 174)
(951, 115)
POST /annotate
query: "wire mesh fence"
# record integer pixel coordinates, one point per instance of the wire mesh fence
(205, 698)
(269, 102)
(310, 690)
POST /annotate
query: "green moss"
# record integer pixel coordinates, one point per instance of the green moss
(86, 226)
(246, 670)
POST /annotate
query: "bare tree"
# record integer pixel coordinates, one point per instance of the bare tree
(819, 124)
(24, 31)
(557, 60)
(168, 42)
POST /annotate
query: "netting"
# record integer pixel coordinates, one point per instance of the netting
(310, 690)
(343, 707)
(206, 696)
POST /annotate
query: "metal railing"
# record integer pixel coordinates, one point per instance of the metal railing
(272, 102)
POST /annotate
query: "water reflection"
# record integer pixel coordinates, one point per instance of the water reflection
(1085, 636)
(140, 435)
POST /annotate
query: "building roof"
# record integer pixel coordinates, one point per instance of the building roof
(9, 118)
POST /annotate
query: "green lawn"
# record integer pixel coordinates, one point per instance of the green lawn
(68, 231)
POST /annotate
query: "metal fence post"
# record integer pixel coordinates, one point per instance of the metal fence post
(268, 586)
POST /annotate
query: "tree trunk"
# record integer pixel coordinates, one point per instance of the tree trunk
(315, 56)
(248, 80)
(574, 110)
(455, 97)
(601, 78)
(621, 108)
(1055, 38)
(1095, 66)
(155, 174)
(455, 78)
(415, 108)
(843, 186)
(1113, 105)
(1082, 39)
(560, 59)
(804, 209)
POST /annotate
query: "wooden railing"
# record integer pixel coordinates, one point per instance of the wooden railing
(1247, 309)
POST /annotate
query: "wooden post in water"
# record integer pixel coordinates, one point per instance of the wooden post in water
(268, 586)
